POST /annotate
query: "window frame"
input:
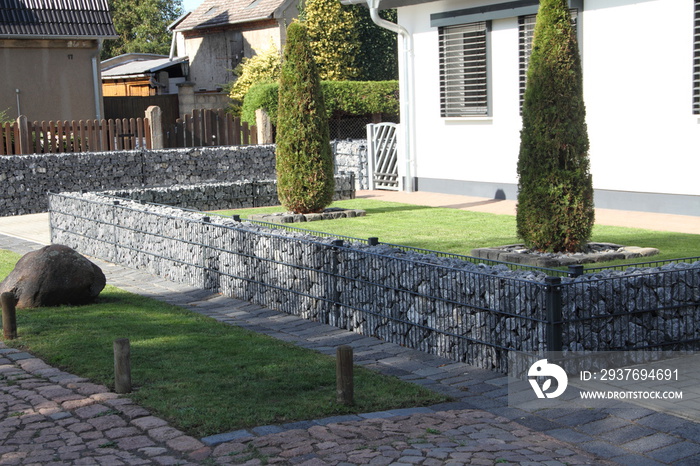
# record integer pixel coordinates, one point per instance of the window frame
(464, 70)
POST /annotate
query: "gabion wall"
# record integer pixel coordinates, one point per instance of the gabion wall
(220, 196)
(25, 179)
(351, 157)
(450, 307)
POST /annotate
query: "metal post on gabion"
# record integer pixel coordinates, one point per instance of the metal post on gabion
(553, 305)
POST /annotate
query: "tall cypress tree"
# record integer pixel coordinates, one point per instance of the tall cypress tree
(555, 200)
(304, 158)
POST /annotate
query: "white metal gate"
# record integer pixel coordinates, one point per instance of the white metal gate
(383, 156)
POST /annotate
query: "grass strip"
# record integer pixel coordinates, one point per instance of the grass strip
(203, 376)
(460, 231)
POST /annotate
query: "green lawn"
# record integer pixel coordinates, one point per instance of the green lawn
(460, 231)
(203, 376)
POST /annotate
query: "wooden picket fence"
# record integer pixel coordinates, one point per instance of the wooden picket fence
(209, 128)
(53, 137)
(199, 129)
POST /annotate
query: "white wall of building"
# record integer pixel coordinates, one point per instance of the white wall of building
(637, 57)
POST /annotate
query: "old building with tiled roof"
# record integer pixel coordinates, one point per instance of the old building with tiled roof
(220, 33)
(50, 58)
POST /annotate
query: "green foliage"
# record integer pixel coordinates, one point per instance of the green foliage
(5, 118)
(347, 44)
(259, 69)
(378, 56)
(142, 26)
(333, 39)
(555, 199)
(351, 97)
(304, 158)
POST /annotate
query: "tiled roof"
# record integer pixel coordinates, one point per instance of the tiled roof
(213, 13)
(56, 18)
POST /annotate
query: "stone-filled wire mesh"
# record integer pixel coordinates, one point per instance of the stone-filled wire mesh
(457, 309)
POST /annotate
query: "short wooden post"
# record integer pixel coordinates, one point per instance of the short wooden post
(24, 136)
(263, 125)
(122, 365)
(155, 118)
(343, 375)
(9, 316)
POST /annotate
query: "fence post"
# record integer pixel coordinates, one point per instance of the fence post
(334, 295)
(9, 315)
(344, 375)
(122, 365)
(23, 135)
(263, 124)
(371, 157)
(553, 305)
(155, 118)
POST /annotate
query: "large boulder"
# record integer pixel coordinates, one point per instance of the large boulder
(53, 276)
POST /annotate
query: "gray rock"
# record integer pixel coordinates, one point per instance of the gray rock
(53, 276)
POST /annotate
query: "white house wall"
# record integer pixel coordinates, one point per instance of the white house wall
(637, 57)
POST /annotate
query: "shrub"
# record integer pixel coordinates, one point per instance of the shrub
(304, 157)
(352, 97)
(261, 68)
(333, 38)
(555, 200)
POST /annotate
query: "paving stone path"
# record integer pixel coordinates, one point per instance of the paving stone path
(50, 417)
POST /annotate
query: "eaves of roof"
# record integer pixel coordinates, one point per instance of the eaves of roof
(215, 13)
(56, 19)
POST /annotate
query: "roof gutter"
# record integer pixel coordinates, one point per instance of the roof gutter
(405, 86)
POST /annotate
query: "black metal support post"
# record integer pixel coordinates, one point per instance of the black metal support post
(333, 282)
(553, 304)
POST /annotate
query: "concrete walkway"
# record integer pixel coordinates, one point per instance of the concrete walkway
(621, 218)
(50, 417)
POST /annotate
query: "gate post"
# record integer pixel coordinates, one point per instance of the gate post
(155, 117)
(371, 156)
(553, 305)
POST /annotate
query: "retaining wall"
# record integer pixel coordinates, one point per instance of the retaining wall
(453, 308)
(351, 156)
(25, 179)
(220, 196)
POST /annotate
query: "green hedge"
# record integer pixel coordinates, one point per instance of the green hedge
(351, 97)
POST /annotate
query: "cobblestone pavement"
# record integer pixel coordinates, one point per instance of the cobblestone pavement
(50, 417)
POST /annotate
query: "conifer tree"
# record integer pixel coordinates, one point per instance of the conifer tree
(555, 201)
(304, 159)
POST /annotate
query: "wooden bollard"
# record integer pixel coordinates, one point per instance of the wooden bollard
(122, 365)
(343, 375)
(9, 315)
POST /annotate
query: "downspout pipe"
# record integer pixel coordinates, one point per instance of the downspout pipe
(405, 85)
(97, 81)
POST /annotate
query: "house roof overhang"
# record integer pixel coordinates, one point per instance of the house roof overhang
(65, 20)
(134, 65)
(217, 13)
